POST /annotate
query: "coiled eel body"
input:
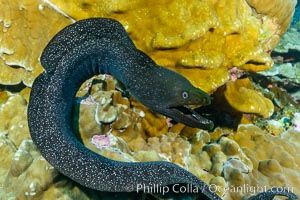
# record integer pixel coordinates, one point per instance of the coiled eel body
(76, 53)
(95, 46)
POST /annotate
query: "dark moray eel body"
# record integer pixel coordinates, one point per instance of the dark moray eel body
(96, 46)
(271, 193)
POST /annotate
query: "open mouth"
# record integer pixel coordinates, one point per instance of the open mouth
(190, 117)
(186, 110)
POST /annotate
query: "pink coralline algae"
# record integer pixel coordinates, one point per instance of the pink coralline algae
(296, 122)
(101, 141)
(88, 101)
(235, 73)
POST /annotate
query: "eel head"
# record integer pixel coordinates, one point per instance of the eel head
(179, 108)
(171, 94)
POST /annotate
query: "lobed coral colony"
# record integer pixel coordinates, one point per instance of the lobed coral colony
(218, 45)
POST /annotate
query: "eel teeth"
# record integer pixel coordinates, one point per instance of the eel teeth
(186, 110)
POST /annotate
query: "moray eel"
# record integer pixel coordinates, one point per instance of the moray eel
(271, 193)
(95, 46)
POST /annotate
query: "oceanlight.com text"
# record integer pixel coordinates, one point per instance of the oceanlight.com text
(248, 189)
(189, 188)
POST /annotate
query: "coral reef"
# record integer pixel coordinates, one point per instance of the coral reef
(207, 26)
(26, 29)
(25, 174)
(272, 9)
(241, 37)
(222, 41)
(28, 172)
(224, 162)
(13, 115)
(230, 29)
(242, 96)
(291, 72)
(102, 107)
(273, 158)
(289, 41)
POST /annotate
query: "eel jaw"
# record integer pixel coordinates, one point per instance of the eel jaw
(189, 117)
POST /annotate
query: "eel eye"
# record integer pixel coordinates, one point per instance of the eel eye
(185, 95)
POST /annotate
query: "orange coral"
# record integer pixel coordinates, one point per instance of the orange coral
(275, 19)
(275, 9)
(242, 97)
(218, 35)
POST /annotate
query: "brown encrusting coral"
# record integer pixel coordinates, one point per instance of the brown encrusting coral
(212, 43)
(26, 28)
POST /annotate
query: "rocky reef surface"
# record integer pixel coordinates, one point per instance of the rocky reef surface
(222, 47)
